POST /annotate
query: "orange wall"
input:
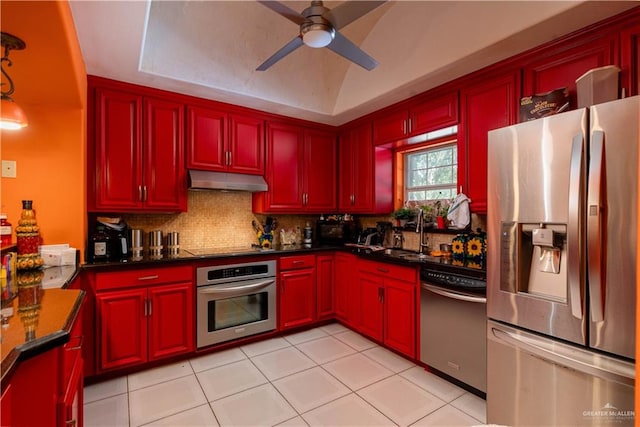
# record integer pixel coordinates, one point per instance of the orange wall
(50, 86)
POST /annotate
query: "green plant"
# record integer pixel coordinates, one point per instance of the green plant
(441, 207)
(403, 213)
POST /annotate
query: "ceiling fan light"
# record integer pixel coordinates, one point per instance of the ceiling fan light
(317, 35)
(11, 115)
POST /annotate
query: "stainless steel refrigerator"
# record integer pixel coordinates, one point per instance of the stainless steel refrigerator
(561, 268)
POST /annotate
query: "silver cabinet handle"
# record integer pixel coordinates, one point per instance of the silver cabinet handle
(150, 301)
(453, 295)
(576, 178)
(155, 276)
(140, 192)
(596, 216)
(144, 193)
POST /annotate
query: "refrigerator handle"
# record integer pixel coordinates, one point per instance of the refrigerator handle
(574, 231)
(545, 349)
(595, 218)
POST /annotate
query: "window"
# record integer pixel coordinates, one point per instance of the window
(431, 173)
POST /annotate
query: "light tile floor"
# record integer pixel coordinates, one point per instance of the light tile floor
(327, 376)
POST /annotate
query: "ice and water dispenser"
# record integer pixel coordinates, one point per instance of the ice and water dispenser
(534, 259)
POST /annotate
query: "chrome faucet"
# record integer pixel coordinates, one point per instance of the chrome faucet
(420, 229)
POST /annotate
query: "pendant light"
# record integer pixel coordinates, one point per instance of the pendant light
(11, 115)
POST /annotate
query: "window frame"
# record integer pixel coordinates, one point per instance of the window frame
(402, 169)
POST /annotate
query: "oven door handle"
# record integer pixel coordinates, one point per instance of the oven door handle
(454, 295)
(236, 290)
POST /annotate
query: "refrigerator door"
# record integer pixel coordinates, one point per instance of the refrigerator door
(536, 186)
(537, 381)
(612, 226)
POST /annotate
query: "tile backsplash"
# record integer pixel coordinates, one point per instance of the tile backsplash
(217, 219)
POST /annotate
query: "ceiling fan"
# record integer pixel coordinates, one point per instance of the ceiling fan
(319, 28)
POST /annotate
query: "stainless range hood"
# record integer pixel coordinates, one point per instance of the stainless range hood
(206, 180)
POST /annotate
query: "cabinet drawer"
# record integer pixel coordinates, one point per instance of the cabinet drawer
(142, 277)
(297, 261)
(407, 274)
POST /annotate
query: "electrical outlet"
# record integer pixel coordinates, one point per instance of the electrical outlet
(9, 169)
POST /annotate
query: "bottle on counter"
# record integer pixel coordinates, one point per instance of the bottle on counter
(307, 240)
(6, 230)
(99, 246)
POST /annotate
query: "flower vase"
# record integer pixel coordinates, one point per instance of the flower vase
(440, 223)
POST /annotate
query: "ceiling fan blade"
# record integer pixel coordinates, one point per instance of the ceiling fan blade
(345, 48)
(283, 10)
(286, 49)
(344, 14)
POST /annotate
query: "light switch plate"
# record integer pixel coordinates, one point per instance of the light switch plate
(9, 169)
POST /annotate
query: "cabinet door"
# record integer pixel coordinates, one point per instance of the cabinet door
(371, 304)
(206, 148)
(400, 316)
(118, 150)
(122, 328)
(390, 127)
(297, 298)
(324, 286)
(171, 320)
(562, 68)
(284, 168)
(320, 172)
(70, 411)
(246, 144)
(356, 171)
(486, 106)
(347, 290)
(165, 180)
(436, 113)
(630, 60)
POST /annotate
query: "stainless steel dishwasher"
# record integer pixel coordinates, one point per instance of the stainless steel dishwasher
(453, 323)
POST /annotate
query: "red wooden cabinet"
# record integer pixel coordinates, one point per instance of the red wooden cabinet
(560, 66)
(630, 60)
(365, 173)
(347, 289)
(297, 293)
(423, 116)
(486, 105)
(388, 305)
(371, 304)
(300, 171)
(222, 142)
(136, 324)
(325, 268)
(138, 162)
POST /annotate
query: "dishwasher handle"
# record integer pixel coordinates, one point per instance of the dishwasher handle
(453, 295)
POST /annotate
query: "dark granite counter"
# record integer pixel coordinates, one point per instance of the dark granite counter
(37, 315)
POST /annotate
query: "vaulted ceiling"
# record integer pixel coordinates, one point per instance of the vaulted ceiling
(211, 49)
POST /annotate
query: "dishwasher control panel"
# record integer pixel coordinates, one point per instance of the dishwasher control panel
(453, 281)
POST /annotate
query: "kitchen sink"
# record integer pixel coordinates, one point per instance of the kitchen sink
(404, 254)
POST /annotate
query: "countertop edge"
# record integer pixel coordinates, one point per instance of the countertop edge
(26, 351)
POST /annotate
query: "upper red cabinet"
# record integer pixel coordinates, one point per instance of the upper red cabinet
(486, 105)
(222, 142)
(559, 66)
(365, 173)
(630, 60)
(426, 115)
(137, 153)
(300, 171)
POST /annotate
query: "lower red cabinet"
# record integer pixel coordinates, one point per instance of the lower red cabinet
(297, 291)
(325, 267)
(388, 296)
(144, 323)
(347, 289)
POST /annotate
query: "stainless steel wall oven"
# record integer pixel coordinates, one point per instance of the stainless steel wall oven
(235, 301)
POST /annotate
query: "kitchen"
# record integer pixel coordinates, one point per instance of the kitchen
(65, 220)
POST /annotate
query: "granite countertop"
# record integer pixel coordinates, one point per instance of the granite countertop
(36, 316)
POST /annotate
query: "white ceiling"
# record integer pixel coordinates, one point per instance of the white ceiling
(211, 49)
